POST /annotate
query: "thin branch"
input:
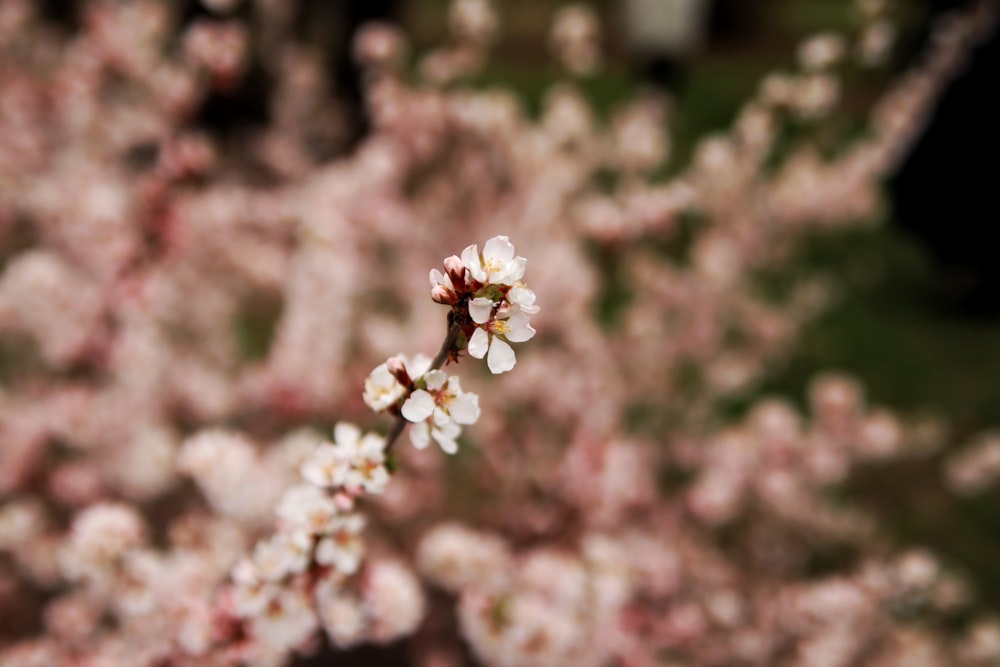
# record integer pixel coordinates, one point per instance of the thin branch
(394, 433)
(445, 352)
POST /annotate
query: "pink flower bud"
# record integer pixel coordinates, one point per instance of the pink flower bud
(442, 294)
(396, 366)
(456, 271)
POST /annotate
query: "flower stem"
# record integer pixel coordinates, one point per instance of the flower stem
(439, 360)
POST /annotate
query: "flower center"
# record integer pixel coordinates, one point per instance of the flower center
(492, 265)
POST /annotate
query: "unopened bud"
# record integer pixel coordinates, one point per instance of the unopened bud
(396, 366)
(456, 271)
(442, 294)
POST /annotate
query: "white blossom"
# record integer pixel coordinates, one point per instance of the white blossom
(343, 618)
(342, 546)
(495, 329)
(393, 599)
(251, 593)
(455, 557)
(283, 554)
(438, 411)
(522, 297)
(287, 622)
(497, 265)
(368, 470)
(306, 506)
(352, 461)
(328, 466)
(100, 536)
(383, 389)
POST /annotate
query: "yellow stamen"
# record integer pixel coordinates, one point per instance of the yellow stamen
(491, 265)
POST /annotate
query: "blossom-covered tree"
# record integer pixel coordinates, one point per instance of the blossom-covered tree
(211, 349)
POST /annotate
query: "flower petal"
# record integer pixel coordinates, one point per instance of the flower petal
(501, 357)
(447, 444)
(479, 343)
(439, 278)
(464, 409)
(419, 406)
(372, 447)
(470, 257)
(499, 248)
(381, 389)
(512, 271)
(518, 328)
(449, 429)
(420, 435)
(523, 297)
(441, 417)
(418, 365)
(480, 309)
(346, 434)
(435, 379)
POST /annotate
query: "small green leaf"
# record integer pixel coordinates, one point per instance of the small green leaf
(491, 292)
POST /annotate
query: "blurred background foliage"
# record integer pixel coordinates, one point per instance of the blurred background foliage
(899, 323)
(902, 320)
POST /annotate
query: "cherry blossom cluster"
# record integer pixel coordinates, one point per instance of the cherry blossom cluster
(295, 580)
(430, 399)
(491, 306)
(784, 464)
